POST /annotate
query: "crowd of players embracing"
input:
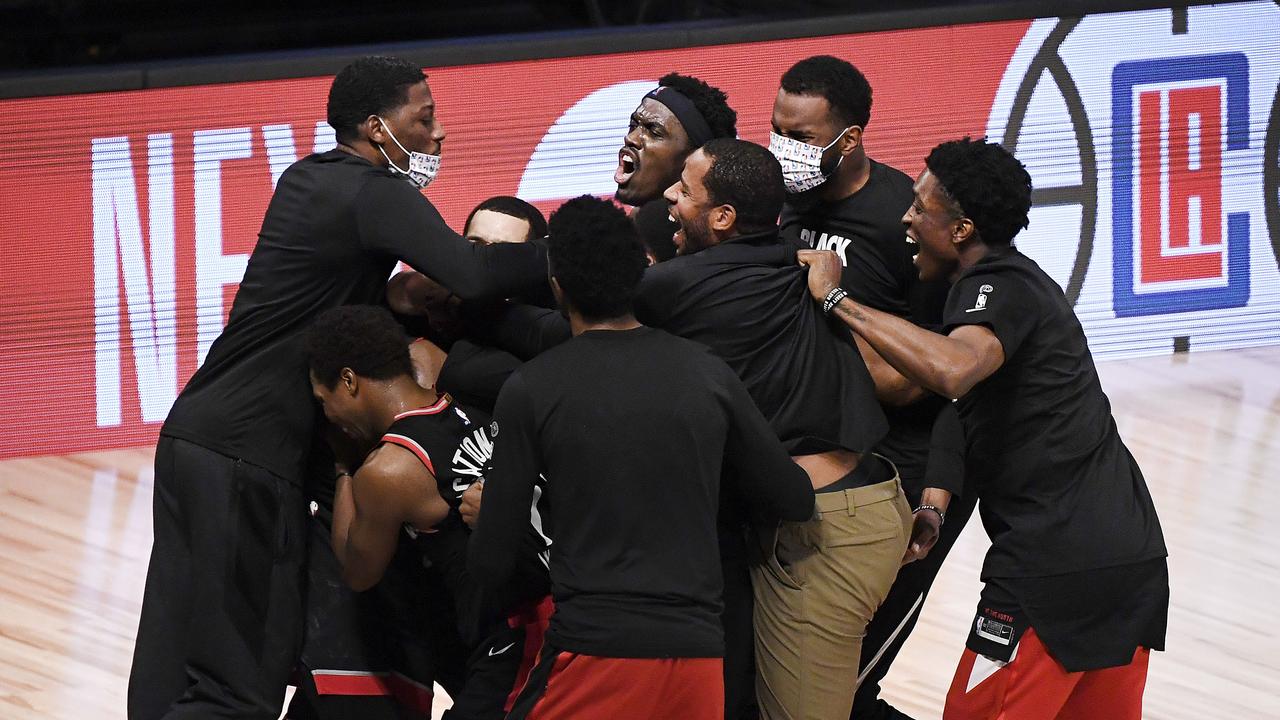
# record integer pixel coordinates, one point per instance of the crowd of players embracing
(701, 458)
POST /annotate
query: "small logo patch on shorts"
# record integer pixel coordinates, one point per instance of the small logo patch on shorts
(994, 630)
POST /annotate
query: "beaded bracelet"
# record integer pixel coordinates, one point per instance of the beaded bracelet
(942, 518)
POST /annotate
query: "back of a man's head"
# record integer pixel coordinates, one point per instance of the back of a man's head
(748, 177)
(372, 85)
(842, 85)
(596, 257)
(990, 185)
(364, 338)
(711, 103)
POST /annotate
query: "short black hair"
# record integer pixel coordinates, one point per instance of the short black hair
(748, 177)
(653, 222)
(596, 257)
(992, 188)
(845, 87)
(371, 85)
(516, 208)
(364, 338)
(711, 103)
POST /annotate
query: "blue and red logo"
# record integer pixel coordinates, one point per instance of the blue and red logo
(1175, 247)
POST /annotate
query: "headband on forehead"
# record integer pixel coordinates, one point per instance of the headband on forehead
(685, 111)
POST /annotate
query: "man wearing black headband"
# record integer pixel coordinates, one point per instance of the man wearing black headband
(672, 121)
(1076, 586)
(842, 200)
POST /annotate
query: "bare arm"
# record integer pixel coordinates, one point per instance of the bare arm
(390, 489)
(949, 365)
(892, 388)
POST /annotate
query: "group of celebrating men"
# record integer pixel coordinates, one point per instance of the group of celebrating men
(701, 459)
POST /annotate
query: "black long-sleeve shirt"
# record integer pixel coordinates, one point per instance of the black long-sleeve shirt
(631, 430)
(333, 231)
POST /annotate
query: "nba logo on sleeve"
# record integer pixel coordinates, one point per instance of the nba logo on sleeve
(1176, 248)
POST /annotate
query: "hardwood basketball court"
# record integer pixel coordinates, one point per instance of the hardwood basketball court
(75, 533)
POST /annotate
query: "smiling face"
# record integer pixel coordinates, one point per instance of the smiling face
(414, 124)
(691, 207)
(934, 224)
(652, 154)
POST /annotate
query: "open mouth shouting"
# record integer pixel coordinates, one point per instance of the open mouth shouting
(628, 164)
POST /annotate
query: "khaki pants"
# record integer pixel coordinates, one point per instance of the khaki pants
(819, 585)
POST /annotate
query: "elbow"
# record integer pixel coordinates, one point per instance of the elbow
(359, 581)
(474, 290)
(801, 510)
(801, 506)
(951, 380)
(954, 385)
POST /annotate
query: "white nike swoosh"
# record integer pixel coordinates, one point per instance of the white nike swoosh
(493, 652)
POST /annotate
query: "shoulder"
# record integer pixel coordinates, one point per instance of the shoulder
(891, 178)
(391, 468)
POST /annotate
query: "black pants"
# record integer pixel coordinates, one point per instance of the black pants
(897, 616)
(222, 612)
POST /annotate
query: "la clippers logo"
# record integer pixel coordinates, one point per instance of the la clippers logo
(1153, 143)
(1175, 247)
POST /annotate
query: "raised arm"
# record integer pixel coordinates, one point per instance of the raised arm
(395, 219)
(949, 365)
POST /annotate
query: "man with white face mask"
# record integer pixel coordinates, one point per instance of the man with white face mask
(841, 200)
(223, 607)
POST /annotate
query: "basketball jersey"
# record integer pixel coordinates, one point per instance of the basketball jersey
(455, 444)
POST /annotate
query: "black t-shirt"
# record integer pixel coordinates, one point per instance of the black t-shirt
(1060, 492)
(748, 301)
(333, 231)
(865, 229)
(631, 430)
(456, 446)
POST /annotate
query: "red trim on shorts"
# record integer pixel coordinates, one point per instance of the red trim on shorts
(409, 693)
(587, 686)
(534, 618)
(412, 446)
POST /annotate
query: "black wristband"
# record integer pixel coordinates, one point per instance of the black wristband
(833, 299)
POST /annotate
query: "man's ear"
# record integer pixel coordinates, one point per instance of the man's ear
(851, 141)
(963, 231)
(373, 130)
(723, 218)
(557, 292)
(348, 381)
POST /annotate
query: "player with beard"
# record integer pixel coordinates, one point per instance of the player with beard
(1075, 584)
(671, 121)
(427, 450)
(842, 200)
(632, 428)
(222, 610)
(730, 289)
